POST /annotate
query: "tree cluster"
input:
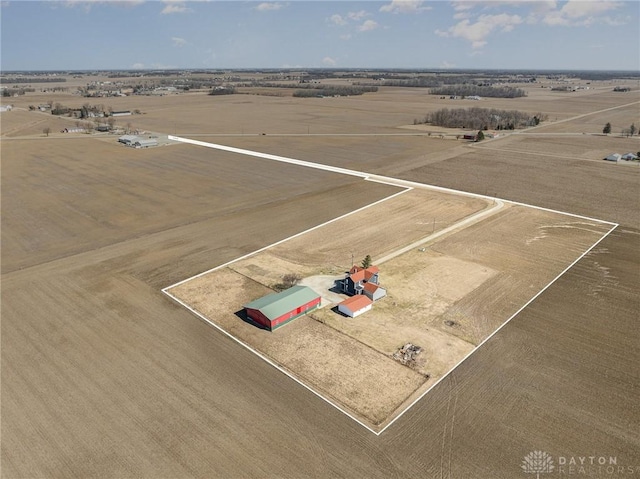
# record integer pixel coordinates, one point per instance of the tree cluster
(330, 90)
(288, 280)
(482, 118)
(7, 92)
(222, 90)
(479, 90)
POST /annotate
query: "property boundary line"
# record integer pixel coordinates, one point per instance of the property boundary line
(370, 176)
(499, 328)
(289, 238)
(408, 185)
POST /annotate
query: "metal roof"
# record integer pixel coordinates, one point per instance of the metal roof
(275, 305)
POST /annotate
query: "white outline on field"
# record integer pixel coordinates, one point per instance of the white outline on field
(408, 185)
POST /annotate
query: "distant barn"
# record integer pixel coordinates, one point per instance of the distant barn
(277, 309)
(145, 142)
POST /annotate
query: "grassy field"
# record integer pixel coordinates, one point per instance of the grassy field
(103, 376)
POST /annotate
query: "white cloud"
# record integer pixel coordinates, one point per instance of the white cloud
(87, 4)
(575, 13)
(179, 42)
(137, 66)
(337, 19)
(404, 6)
(368, 25)
(270, 6)
(477, 32)
(175, 6)
(357, 16)
(579, 9)
(328, 61)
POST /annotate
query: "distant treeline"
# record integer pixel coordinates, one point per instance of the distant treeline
(222, 90)
(477, 90)
(16, 91)
(32, 80)
(435, 81)
(482, 118)
(330, 90)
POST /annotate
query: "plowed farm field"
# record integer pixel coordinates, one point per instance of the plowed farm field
(104, 376)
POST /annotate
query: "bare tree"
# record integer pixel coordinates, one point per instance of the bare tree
(46, 130)
(111, 121)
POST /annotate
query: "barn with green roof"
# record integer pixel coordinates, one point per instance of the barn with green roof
(277, 309)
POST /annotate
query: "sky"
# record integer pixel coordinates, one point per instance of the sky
(460, 34)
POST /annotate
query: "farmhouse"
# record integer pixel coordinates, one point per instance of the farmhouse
(357, 277)
(277, 309)
(355, 305)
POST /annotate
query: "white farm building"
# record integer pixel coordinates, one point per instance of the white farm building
(355, 305)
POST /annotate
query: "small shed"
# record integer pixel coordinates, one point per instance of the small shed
(613, 157)
(277, 309)
(470, 135)
(355, 305)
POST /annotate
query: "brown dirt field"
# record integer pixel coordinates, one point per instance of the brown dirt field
(19, 122)
(76, 204)
(564, 146)
(102, 376)
(599, 189)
